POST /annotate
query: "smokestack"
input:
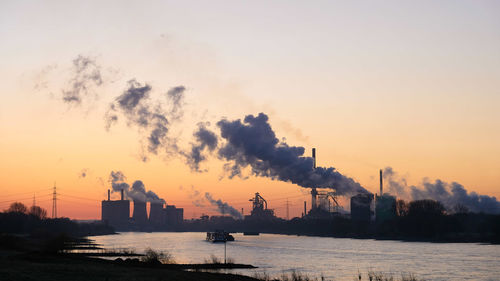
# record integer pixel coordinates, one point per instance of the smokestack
(305, 209)
(381, 184)
(313, 190)
(314, 157)
(122, 195)
(108, 196)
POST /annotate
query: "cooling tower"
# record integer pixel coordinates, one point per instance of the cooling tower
(156, 213)
(140, 216)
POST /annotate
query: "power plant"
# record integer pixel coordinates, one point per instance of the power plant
(362, 205)
(365, 208)
(385, 207)
(117, 214)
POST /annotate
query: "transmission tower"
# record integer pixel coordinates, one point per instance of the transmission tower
(34, 201)
(54, 203)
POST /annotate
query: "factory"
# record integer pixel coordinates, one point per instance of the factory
(161, 216)
(324, 204)
(385, 207)
(259, 209)
(362, 206)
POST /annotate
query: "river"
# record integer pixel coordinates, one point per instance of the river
(334, 258)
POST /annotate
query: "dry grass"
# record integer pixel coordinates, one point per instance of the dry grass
(369, 276)
(151, 256)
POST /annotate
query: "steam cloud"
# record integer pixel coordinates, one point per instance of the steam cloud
(140, 111)
(86, 74)
(253, 143)
(205, 140)
(223, 207)
(137, 192)
(450, 194)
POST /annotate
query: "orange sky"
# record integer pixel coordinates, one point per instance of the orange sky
(409, 86)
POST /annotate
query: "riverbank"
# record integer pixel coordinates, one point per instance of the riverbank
(27, 258)
(17, 266)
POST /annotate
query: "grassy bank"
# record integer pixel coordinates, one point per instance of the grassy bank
(40, 267)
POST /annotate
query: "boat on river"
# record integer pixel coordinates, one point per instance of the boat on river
(219, 236)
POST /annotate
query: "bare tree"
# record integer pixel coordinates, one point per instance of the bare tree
(401, 208)
(17, 207)
(38, 212)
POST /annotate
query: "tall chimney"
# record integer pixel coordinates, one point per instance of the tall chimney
(313, 190)
(314, 157)
(122, 194)
(314, 194)
(305, 209)
(381, 184)
(108, 195)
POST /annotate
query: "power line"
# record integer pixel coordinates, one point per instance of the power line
(22, 193)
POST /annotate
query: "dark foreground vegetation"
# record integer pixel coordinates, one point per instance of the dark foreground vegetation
(19, 219)
(33, 247)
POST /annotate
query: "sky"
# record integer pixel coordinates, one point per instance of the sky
(412, 85)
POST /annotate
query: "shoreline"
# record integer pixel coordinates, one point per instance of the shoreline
(464, 240)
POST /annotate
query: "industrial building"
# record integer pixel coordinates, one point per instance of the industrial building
(172, 216)
(324, 204)
(117, 214)
(361, 207)
(385, 206)
(259, 209)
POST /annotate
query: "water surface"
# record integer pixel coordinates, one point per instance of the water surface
(334, 258)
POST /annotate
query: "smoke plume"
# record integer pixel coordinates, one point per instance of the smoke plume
(137, 192)
(86, 74)
(253, 143)
(205, 140)
(223, 207)
(135, 105)
(195, 196)
(176, 96)
(450, 194)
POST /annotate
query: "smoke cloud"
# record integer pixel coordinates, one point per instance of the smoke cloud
(223, 207)
(253, 143)
(86, 75)
(450, 194)
(176, 96)
(205, 140)
(135, 105)
(137, 192)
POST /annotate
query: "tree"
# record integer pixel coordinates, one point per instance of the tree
(17, 207)
(425, 208)
(38, 212)
(401, 208)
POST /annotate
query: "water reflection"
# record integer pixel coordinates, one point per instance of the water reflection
(335, 258)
